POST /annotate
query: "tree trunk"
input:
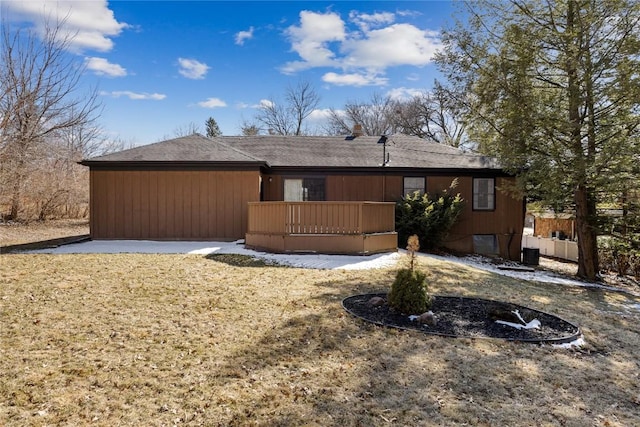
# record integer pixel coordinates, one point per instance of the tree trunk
(15, 203)
(588, 264)
(583, 197)
(16, 193)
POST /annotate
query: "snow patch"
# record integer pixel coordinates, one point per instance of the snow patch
(486, 264)
(316, 261)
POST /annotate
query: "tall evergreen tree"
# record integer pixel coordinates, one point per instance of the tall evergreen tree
(552, 88)
(213, 129)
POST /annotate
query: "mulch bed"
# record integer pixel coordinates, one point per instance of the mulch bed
(468, 317)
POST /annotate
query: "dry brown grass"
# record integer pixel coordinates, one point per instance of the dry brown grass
(185, 340)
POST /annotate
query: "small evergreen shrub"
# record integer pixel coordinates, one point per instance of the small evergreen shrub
(430, 218)
(408, 293)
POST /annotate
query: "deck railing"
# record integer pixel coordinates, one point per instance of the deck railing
(333, 218)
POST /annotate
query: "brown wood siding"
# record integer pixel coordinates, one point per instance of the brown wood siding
(204, 204)
(325, 227)
(355, 188)
(393, 188)
(346, 188)
(506, 221)
(181, 205)
(273, 188)
(372, 188)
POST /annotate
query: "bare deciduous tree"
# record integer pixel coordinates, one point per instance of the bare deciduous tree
(184, 130)
(249, 128)
(288, 118)
(39, 101)
(374, 116)
(431, 115)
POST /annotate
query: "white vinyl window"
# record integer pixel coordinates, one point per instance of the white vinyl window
(413, 184)
(484, 194)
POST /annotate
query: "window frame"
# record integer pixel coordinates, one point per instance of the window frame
(305, 192)
(413, 189)
(490, 195)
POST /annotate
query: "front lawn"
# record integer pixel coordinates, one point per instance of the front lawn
(187, 340)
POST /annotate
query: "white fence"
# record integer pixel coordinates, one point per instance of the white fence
(564, 249)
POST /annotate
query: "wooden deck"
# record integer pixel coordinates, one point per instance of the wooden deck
(322, 227)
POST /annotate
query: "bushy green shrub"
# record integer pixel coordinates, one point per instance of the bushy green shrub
(408, 293)
(430, 218)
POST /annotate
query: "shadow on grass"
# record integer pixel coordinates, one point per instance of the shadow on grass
(320, 366)
(236, 260)
(44, 244)
(317, 365)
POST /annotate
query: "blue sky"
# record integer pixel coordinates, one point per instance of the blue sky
(162, 65)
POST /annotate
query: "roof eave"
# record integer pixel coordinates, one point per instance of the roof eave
(392, 169)
(170, 164)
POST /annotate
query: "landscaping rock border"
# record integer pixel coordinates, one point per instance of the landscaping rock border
(468, 317)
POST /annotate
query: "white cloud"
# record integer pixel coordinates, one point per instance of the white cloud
(91, 24)
(212, 103)
(265, 103)
(354, 79)
(397, 44)
(318, 118)
(136, 96)
(320, 115)
(366, 21)
(404, 93)
(341, 113)
(408, 13)
(102, 67)
(192, 69)
(242, 36)
(311, 39)
(292, 67)
(363, 53)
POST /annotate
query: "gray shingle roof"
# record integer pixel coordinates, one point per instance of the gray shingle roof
(192, 148)
(305, 151)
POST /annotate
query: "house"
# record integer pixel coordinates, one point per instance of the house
(197, 188)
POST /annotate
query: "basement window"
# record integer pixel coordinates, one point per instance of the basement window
(486, 244)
